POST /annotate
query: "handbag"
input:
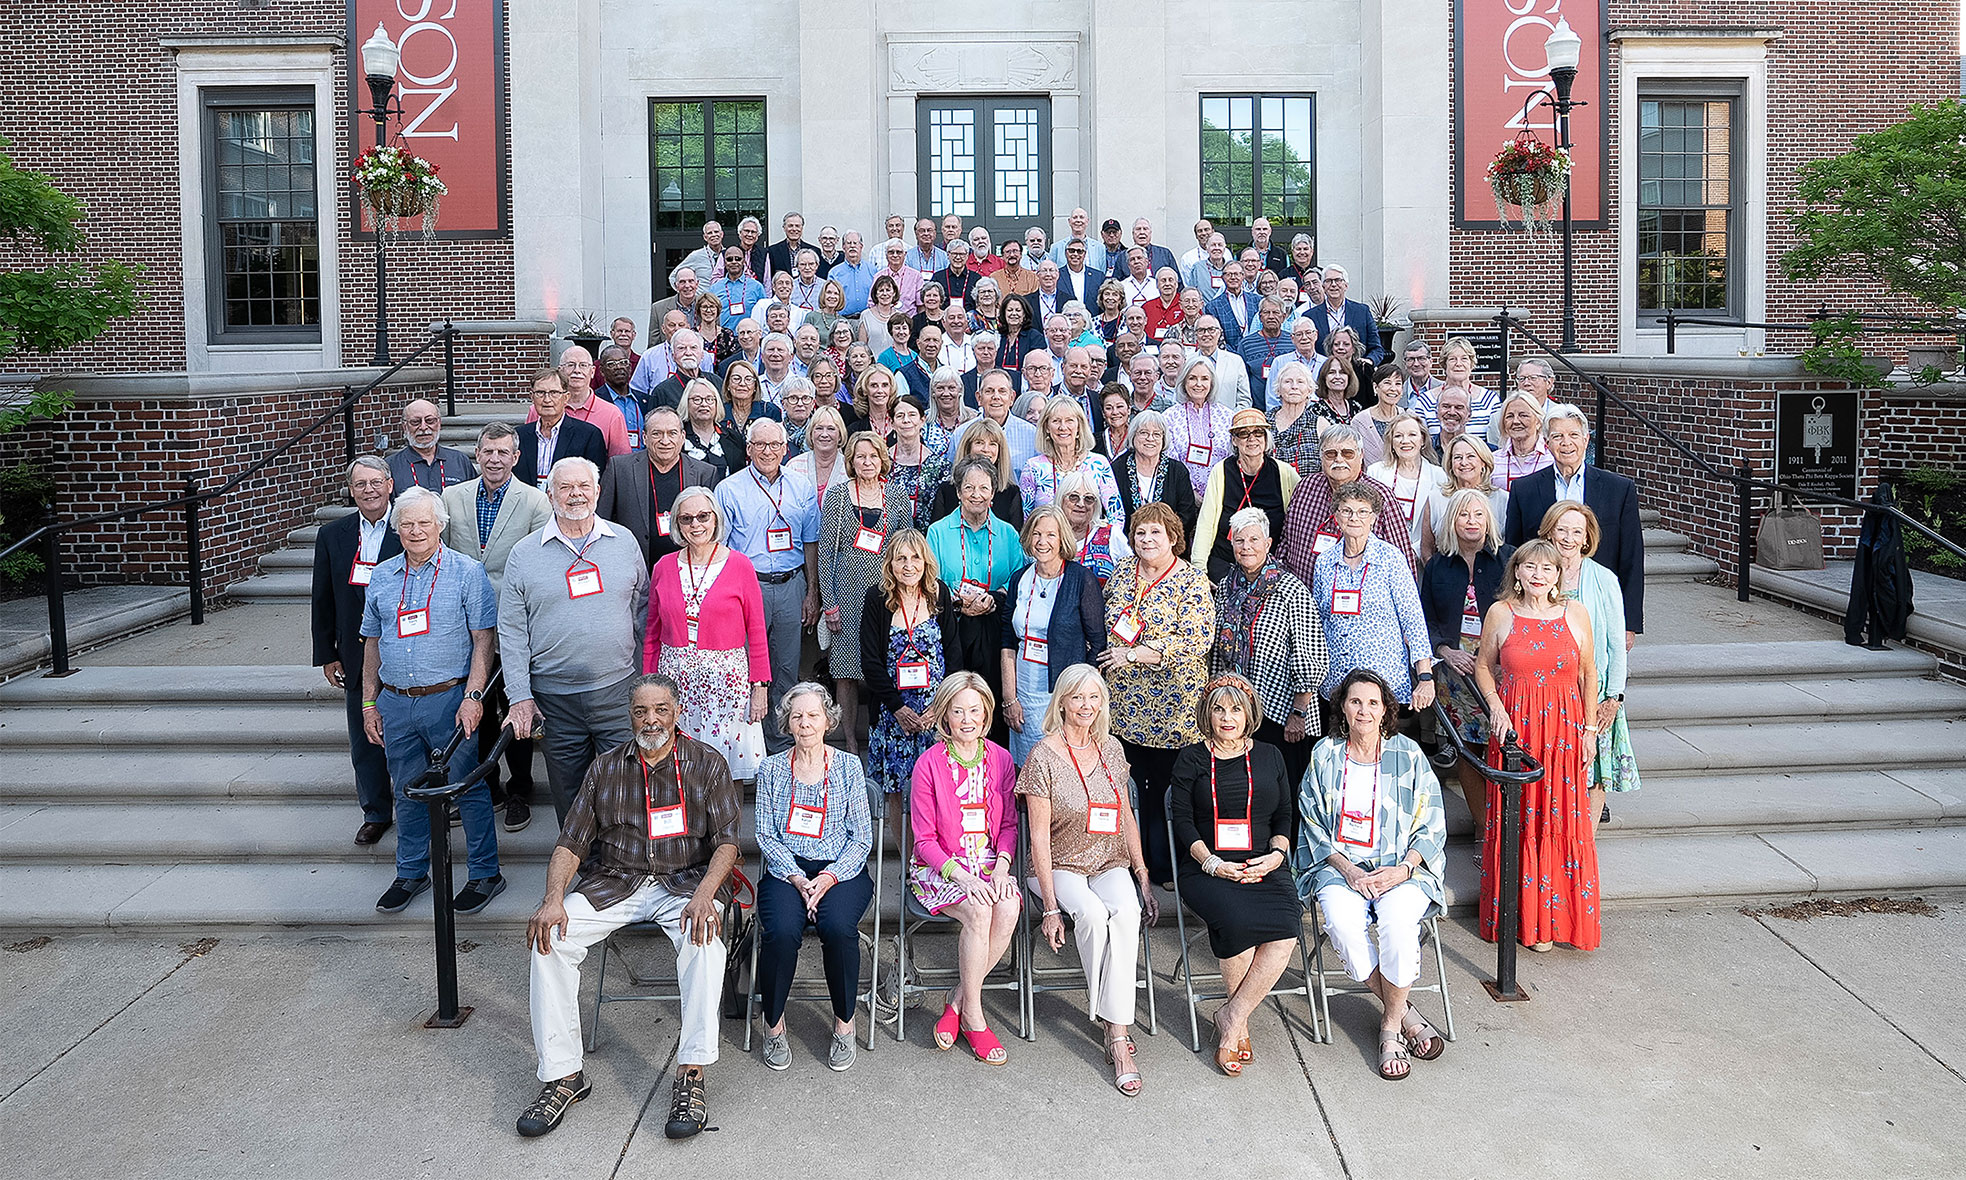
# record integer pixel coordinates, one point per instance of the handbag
(1789, 539)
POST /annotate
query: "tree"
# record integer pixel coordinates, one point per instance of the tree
(1891, 207)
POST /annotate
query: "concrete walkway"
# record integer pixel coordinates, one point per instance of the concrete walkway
(95, 616)
(1701, 1043)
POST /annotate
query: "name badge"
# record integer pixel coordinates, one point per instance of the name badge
(689, 625)
(1324, 541)
(975, 819)
(911, 674)
(1344, 602)
(1199, 454)
(1102, 820)
(1232, 835)
(955, 303)
(1471, 626)
(928, 276)
(778, 540)
(805, 821)
(1037, 651)
(1126, 628)
(869, 540)
(411, 623)
(971, 584)
(634, 440)
(1355, 828)
(1266, 370)
(360, 573)
(662, 524)
(584, 582)
(1215, 281)
(666, 822)
(737, 308)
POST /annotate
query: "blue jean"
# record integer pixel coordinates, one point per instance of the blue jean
(413, 728)
(782, 926)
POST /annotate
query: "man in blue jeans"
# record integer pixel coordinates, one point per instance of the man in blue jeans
(428, 625)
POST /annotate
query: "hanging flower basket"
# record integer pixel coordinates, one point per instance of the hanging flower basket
(394, 184)
(1528, 178)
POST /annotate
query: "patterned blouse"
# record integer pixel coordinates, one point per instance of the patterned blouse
(919, 481)
(1041, 478)
(1297, 443)
(1187, 424)
(1387, 633)
(1155, 706)
(847, 834)
(1269, 632)
(1408, 817)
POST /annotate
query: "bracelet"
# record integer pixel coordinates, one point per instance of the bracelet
(1053, 913)
(368, 704)
(1209, 866)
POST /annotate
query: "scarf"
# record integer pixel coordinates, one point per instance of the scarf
(1243, 599)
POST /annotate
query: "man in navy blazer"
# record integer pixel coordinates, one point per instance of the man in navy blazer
(1613, 498)
(1221, 307)
(1337, 311)
(346, 549)
(570, 437)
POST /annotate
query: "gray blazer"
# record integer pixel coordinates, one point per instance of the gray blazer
(626, 499)
(524, 510)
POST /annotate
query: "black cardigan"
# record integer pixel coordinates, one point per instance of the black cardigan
(1444, 591)
(1078, 619)
(1176, 491)
(876, 619)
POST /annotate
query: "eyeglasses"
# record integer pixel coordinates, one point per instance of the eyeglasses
(697, 518)
(1249, 432)
(1355, 512)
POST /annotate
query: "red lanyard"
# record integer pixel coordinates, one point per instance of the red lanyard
(825, 785)
(1248, 487)
(675, 762)
(580, 554)
(1139, 595)
(853, 495)
(1249, 781)
(694, 592)
(1207, 413)
(434, 575)
(777, 501)
(1069, 753)
(1360, 588)
(989, 554)
(908, 632)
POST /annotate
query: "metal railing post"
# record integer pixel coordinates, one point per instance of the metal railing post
(57, 608)
(1503, 320)
(1672, 332)
(450, 369)
(1508, 884)
(448, 1015)
(1744, 489)
(347, 428)
(194, 551)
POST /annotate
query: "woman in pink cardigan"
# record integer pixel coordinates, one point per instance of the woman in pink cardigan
(965, 825)
(706, 629)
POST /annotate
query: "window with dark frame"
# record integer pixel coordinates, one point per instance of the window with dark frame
(707, 162)
(263, 242)
(1689, 199)
(1259, 159)
(985, 159)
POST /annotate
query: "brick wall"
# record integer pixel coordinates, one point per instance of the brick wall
(1829, 56)
(1924, 428)
(89, 96)
(112, 452)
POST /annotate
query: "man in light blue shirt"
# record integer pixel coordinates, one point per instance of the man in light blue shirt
(925, 257)
(855, 274)
(737, 293)
(429, 622)
(772, 518)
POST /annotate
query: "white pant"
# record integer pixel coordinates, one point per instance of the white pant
(1105, 913)
(556, 978)
(1397, 915)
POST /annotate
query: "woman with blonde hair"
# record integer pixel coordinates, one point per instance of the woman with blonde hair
(823, 462)
(1573, 529)
(1468, 463)
(1523, 451)
(1457, 587)
(1065, 448)
(873, 403)
(1054, 617)
(1409, 470)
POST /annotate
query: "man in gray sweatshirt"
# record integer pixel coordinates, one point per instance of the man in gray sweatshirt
(571, 615)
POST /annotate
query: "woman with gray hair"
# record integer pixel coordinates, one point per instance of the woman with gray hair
(1267, 631)
(1099, 543)
(1146, 474)
(1198, 423)
(988, 305)
(814, 830)
(1292, 418)
(1250, 478)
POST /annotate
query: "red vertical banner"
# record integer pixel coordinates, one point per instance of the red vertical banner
(1498, 63)
(451, 85)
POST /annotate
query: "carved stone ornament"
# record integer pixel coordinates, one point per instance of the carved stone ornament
(982, 65)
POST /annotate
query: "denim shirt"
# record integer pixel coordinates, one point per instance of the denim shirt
(460, 600)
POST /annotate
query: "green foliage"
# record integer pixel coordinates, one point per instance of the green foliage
(1933, 495)
(62, 305)
(25, 490)
(1837, 352)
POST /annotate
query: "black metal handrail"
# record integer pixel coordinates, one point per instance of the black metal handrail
(52, 528)
(1906, 325)
(1744, 481)
(1518, 769)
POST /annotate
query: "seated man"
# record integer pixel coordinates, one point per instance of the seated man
(670, 813)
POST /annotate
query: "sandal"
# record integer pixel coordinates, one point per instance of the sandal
(1423, 1040)
(945, 1029)
(1228, 1060)
(1244, 1053)
(1392, 1052)
(1127, 1083)
(984, 1043)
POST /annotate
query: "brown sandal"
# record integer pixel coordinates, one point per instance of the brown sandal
(1229, 1060)
(1392, 1051)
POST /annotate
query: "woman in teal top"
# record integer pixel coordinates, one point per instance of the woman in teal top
(977, 552)
(1572, 528)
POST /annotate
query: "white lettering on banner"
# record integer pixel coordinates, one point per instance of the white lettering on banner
(433, 84)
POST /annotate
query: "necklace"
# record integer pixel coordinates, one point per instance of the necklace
(970, 763)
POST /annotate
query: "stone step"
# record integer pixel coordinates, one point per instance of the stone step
(1771, 660)
(287, 586)
(1852, 745)
(1657, 540)
(1794, 700)
(140, 730)
(1665, 565)
(1764, 802)
(50, 775)
(305, 537)
(328, 512)
(1650, 517)
(161, 683)
(293, 557)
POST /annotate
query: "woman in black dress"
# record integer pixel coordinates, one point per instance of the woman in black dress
(1232, 807)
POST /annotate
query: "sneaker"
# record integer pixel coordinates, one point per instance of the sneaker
(399, 895)
(778, 1051)
(550, 1107)
(476, 895)
(839, 1057)
(518, 813)
(687, 1112)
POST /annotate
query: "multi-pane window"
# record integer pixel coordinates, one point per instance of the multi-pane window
(986, 160)
(1258, 159)
(707, 158)
(262, 193)
(1688, 203)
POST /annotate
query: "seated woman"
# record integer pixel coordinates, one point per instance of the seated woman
(1054, 618)
(965, 844)
(1232, 811)
(1373, 843)
(1086, 859)
(814, 833)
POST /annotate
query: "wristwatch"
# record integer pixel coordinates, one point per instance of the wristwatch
(476, 694)
(1423, 677)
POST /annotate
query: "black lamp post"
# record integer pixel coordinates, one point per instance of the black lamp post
(1564, 47)
(380, 57)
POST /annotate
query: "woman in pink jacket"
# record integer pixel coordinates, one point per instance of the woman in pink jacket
(965, 827)
(706, 629)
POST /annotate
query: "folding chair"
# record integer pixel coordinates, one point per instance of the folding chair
(1072, 978)
(1429, 933)
(877, 806)
(938, 979)
(666, 986)
(1189, 978)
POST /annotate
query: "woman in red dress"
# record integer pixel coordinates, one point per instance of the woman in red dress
(1536, 671)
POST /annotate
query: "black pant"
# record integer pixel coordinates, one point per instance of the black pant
(782, 926)
(518, 754)
(1296, 760)
(1153, 771)
(978, 648)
